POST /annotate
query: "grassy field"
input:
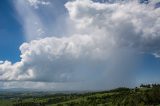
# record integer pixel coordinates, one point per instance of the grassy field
(5, 103)
(142, 96)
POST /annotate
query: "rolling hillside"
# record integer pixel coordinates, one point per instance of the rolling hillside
(146, 95)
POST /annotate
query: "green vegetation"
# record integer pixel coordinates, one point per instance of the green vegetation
(5, 103)
(145, 95)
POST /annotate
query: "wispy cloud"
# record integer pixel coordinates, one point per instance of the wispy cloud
(31, 22)
(36, 3)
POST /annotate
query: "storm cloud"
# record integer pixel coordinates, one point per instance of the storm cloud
(102, 51)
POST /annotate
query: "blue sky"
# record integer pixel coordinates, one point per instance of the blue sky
(11, 33)
(63, 43)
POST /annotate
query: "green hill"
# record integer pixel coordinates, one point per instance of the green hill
(145, 95)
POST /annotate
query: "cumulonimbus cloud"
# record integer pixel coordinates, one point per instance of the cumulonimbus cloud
(104, 32)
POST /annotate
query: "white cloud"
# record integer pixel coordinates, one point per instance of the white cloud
(54, 59)
(128, 24)
(36, 3)
(105, 35)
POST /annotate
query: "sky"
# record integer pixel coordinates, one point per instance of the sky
(79, 44)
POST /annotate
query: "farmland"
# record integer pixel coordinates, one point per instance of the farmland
(146, 95)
